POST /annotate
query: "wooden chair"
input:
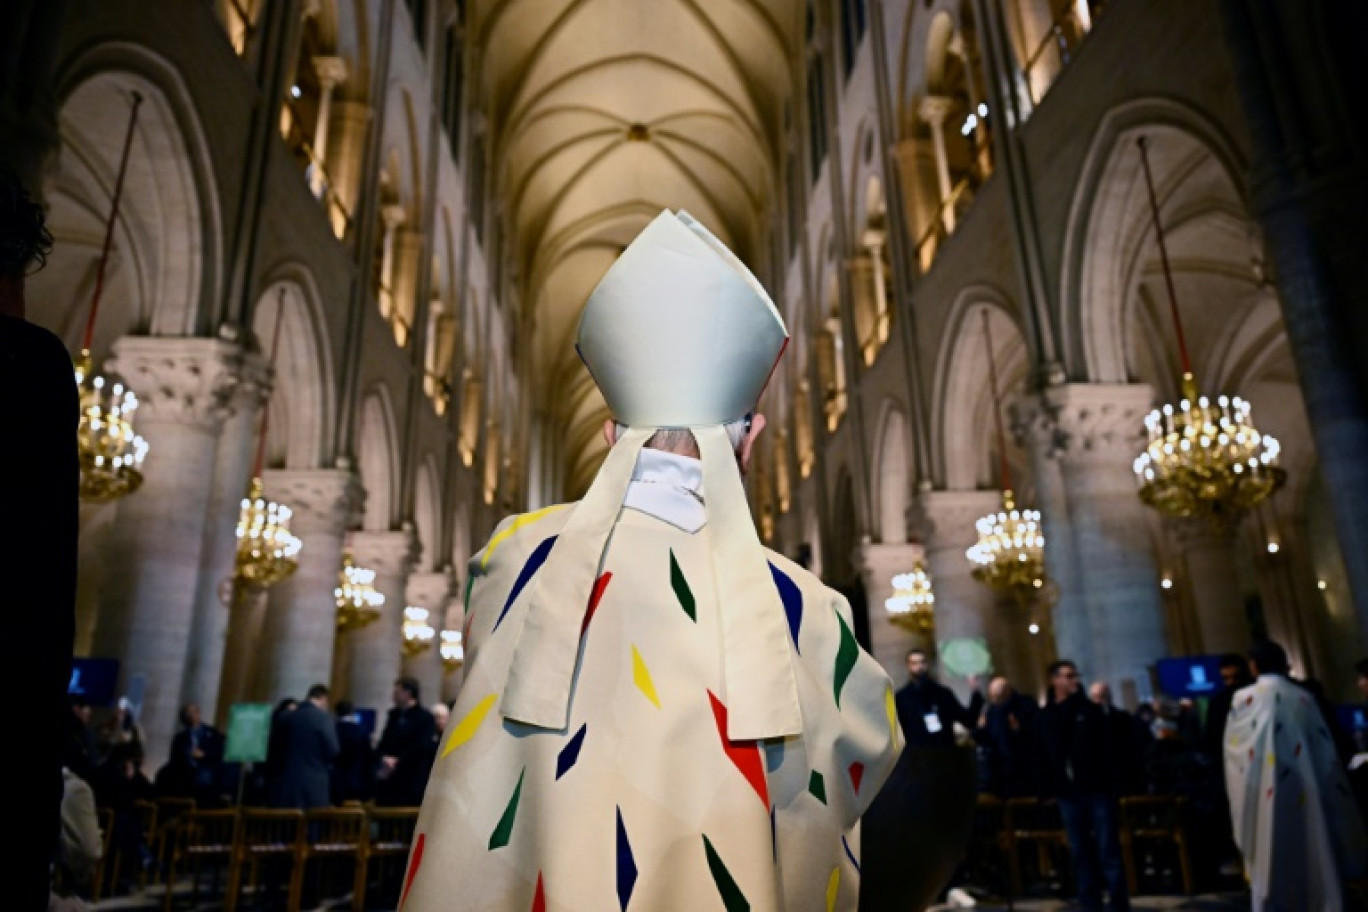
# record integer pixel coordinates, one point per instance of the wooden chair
(988, 841)
(165, 812)
(1032, 822)
(1154, 819)
(106, 817)
(341, 832)
(147, 825)
(391, 835)
(264, 835)
(198, 837)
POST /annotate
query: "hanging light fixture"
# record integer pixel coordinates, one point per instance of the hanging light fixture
(452, 650)
(267, 552)
(358, 602)
(1009, 555)
(418, 633)
(111, 453)
(913, 603)
(1205, 458)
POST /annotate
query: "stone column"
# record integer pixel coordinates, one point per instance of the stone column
(889, 643)
(153, 564)
(1033, 423)
(1101, 430)
(934, 109)
(375, 650)
(332, 72)
(455, 620)
(1209, 557)
(430, 591)
(862, 269)
(232, 466)
(965, 608)
(917, 180)
(392, 216)
(297, 650)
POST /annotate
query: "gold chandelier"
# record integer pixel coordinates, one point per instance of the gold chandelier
(1009, 555)
(418, 633)
(452, 650)
(111, 454)
(1204, 458)
(1010, 552)
(912, 605)
(267, 552)
(358, 602)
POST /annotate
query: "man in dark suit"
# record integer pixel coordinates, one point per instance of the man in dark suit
(1078, 770)
(927, 709)
(1128, 742)
(1007, 733)
(353, 766)
(39, 481)
(194, 768)
(404, 749)
(308, 742)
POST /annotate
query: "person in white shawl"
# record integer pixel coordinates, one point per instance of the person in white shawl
(658, 713)
(1290, 803)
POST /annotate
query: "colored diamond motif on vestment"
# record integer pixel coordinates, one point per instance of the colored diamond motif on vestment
(846, 654)
(414, 862)
(570, 753)
(817, 786)
(504, 831)
(626, 865)
(833, 887)
(732, 897)
(744, 754)
(792, 597)
(641, 676)
(534, 563)
(539, 899)
(681, 588)
(469, 724)
(600, 586)
(856, 774)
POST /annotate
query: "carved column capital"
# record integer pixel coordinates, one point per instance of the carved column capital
(323, 500)
(952, 515)
(390, 554)
(431, 591)
(186, 380)
(1100, 421)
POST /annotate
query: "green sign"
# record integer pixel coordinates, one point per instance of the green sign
(965, 657)
(249, 731)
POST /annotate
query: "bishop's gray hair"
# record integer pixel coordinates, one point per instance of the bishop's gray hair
(682, 442)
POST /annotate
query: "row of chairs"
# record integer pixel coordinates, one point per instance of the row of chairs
(1019, 828)
(238, 842)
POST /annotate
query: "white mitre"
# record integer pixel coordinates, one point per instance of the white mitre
(678, 334)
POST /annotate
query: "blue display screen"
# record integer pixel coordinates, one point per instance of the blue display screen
(1190, 676)
(94, 679)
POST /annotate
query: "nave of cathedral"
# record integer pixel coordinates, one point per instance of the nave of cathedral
(353, 241)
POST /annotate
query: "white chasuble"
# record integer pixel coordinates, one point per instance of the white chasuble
(641, 802)
(1293, 812)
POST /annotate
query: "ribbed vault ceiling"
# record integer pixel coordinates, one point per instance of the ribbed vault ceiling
(603, 113)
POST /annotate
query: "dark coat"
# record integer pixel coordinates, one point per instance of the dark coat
(308, 745)
(1128, 743)
(1074, 738)
(191, 777)
(354, 764)
(920, 702)
(39, 480)
(407, 736)
(1010, 752)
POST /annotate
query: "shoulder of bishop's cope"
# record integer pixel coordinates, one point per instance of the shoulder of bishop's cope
(516, 537)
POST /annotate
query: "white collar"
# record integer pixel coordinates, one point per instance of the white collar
(668, 487)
